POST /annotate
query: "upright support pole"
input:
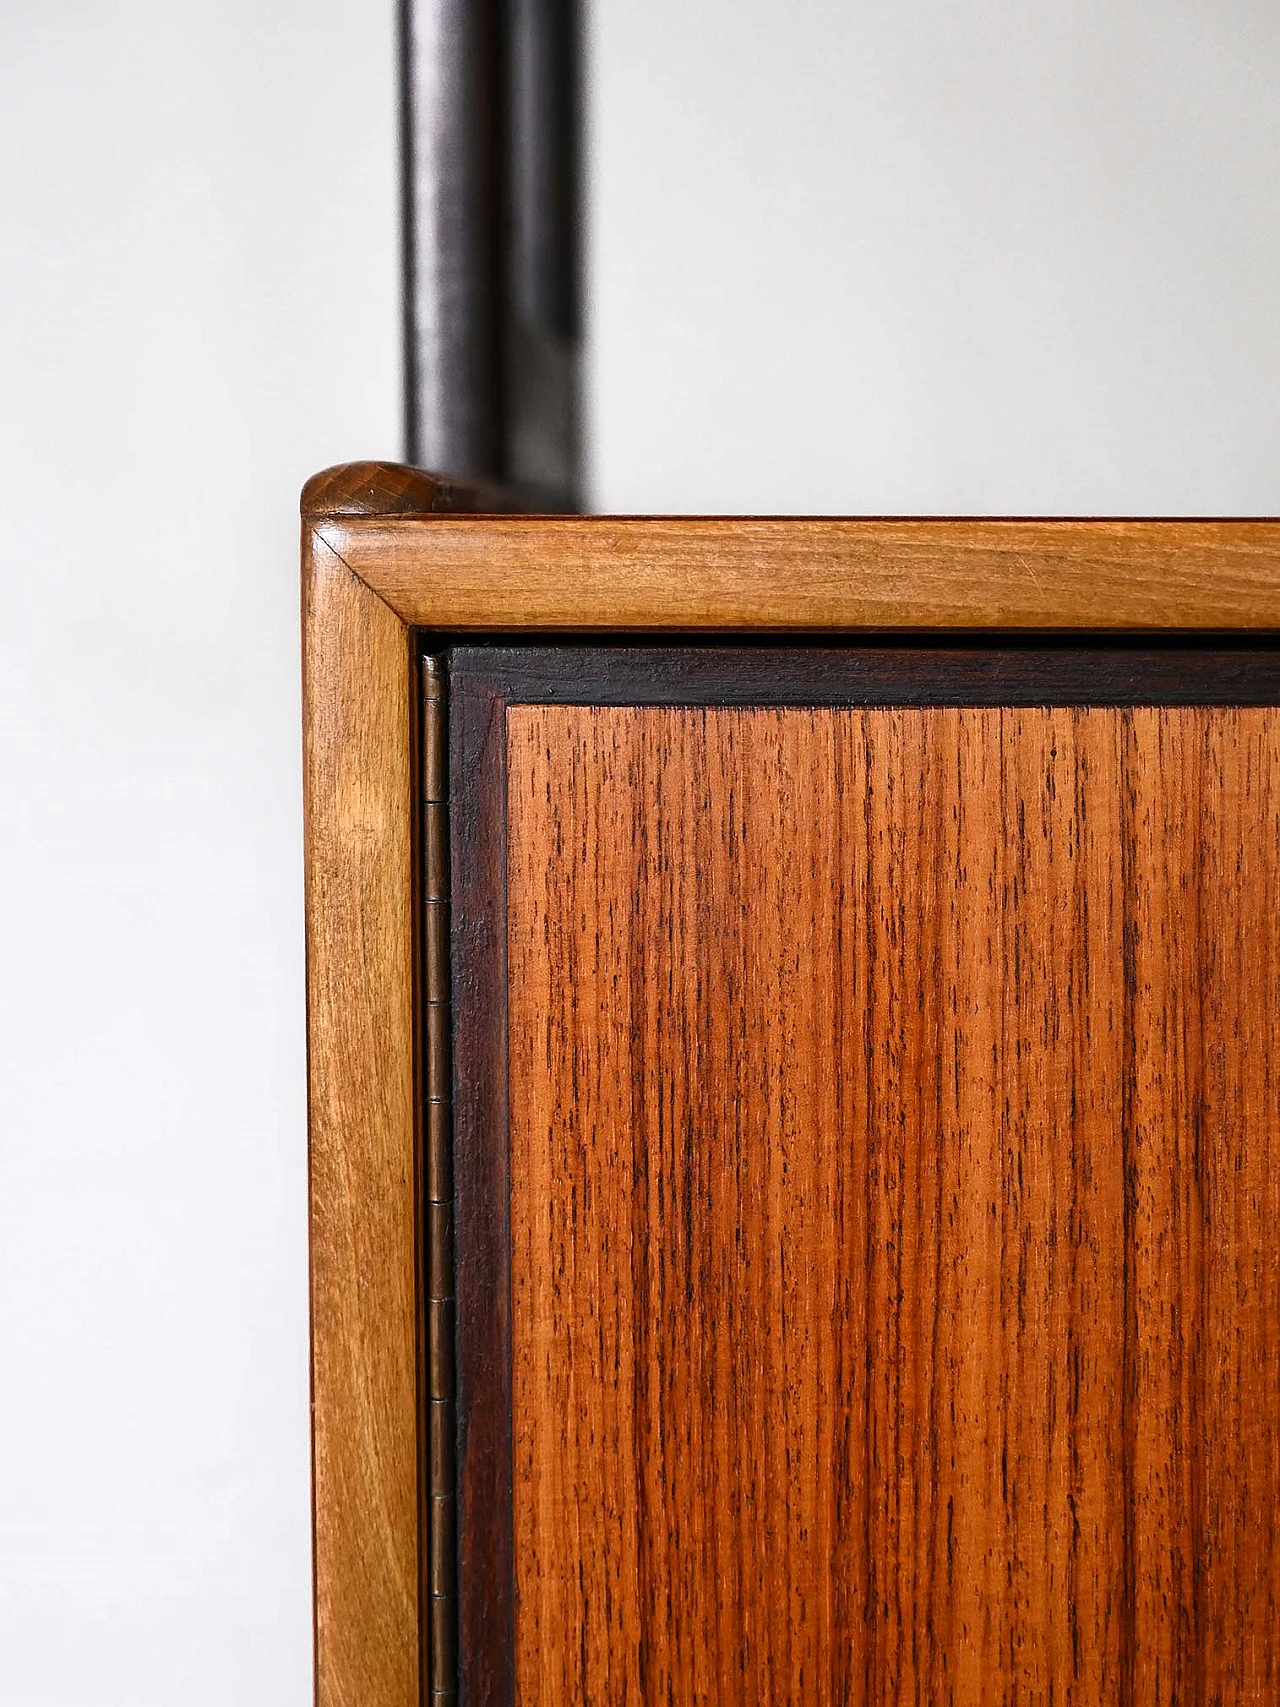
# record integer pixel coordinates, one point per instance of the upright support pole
(490, 136)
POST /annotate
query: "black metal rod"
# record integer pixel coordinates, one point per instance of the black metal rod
(490, 139)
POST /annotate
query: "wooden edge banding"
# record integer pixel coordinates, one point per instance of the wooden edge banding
(773, 574)
(359, 789)
(351, 489)
(481, 1232)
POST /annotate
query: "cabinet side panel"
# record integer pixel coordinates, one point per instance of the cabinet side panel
(846, 1232)
(360, 793)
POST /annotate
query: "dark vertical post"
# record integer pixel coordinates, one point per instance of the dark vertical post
(491, 130)
(543, 333)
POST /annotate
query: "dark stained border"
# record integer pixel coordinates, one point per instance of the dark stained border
(482, 1281)
(483, 681)
(865, 674)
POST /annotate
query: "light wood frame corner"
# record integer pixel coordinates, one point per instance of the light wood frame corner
(386, 553)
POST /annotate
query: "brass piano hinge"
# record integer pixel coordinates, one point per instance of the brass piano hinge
(441, 1501)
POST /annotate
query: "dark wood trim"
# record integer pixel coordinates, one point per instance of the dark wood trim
(482, 1277)
(862, 675)
(483, 682)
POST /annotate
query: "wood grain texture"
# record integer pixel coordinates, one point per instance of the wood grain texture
(360, 795)
(394, 489)
(895, 1299)
(774, 574)
(1203, 1169)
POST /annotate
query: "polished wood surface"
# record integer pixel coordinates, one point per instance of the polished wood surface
(393, 489)
(392, 571)
(777, 574)
(1202, 978)
(360, 787)
(367, 1241)
(895, 1298)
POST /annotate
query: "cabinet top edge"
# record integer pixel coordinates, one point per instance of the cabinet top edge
(811, 573)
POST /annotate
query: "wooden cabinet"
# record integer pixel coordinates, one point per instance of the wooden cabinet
(795, 1098)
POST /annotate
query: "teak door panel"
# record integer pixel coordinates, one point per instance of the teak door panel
(885, 1255)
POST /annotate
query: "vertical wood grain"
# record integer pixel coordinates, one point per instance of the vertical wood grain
(1203, 1402)
(894, 1291)
(360, 958)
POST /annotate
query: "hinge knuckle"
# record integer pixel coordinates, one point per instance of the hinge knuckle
(437, 1214)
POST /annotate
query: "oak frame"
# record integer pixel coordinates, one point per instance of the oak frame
(386, 554)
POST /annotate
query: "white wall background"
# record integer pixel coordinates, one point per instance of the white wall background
(1012, 256)
(198, 307)
(843, 257)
